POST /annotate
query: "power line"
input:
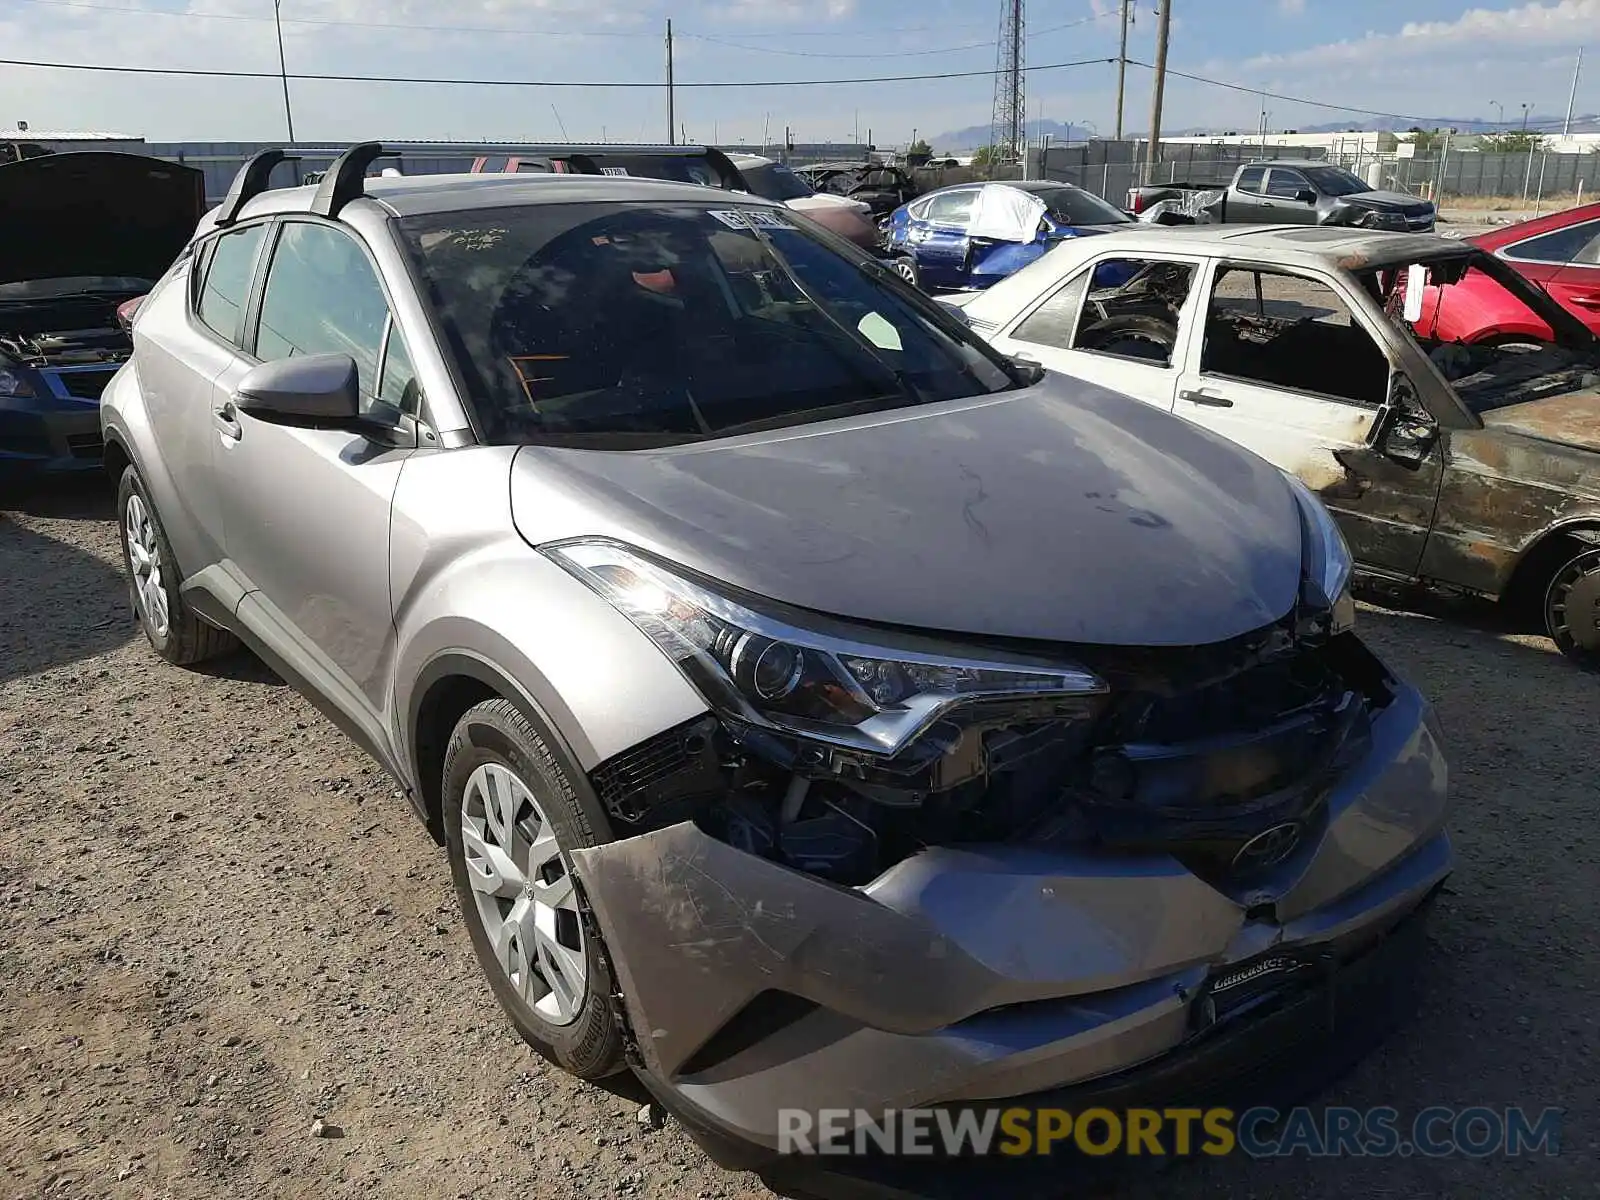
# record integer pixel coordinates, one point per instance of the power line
(536, 83)
(984, 45)
(1310, 103)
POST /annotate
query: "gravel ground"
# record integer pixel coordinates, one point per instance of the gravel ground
(218, 922)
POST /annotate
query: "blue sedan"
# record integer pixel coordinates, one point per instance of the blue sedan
(937, 246)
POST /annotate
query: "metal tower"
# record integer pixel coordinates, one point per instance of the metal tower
(1008, 126)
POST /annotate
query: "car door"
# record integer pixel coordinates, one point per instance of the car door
(1566, 263)
(306, 511)
(1287, 364)
(1245, 198)
(1117, 321)
(179, 357)
(1283, 203)
(939, 239)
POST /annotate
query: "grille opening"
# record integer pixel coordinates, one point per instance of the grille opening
(85, 385)
(86, 445)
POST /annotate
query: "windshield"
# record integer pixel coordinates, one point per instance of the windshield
(774, 181)
(75, 285)
(618, 325)
(1336, 181)
(1074, 206)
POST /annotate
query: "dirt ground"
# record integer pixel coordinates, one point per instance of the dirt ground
(219, 922)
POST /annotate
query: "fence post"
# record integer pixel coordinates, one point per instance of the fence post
(1527, 178)
(1105, 179)
(1538, 203)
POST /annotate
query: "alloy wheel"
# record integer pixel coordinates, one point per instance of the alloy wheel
(144, 559)
(524, 893)
(904, 268)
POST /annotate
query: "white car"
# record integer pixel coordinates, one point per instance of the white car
(1467, 466)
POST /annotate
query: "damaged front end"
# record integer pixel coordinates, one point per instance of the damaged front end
(890, 874)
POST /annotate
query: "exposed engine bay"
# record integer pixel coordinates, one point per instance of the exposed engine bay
(1491, 377)
(1193, 753)
(70, 331)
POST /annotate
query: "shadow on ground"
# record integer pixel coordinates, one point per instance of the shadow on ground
(59, 603)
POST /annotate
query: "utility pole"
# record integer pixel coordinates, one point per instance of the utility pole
(283, 69)
(1525, 110)
(1572, 97)
(672, 123)
(1122, 66)
(1163, 29)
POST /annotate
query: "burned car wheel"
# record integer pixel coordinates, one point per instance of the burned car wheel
(169, 624)
(1572, 608)
(510, 819)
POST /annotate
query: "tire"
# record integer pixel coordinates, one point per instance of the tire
(1133, 329)
(906, 267)
(1572, 608)
(169, 623)
(493, 752)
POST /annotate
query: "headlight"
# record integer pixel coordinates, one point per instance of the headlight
(13, 384)
(771, 673)
(1325, 557)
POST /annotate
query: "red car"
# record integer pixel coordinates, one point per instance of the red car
(1560, 253)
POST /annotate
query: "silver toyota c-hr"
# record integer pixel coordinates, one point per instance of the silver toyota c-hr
(817, 709)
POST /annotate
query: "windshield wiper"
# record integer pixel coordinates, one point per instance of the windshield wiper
(852, 337)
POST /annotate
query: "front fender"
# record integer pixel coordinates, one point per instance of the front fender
(466, 585)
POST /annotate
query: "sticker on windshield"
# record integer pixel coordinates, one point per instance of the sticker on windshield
(613, 170)
(750, 218)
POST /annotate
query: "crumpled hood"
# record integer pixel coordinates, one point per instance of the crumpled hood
(1065, 512)
(96, 214)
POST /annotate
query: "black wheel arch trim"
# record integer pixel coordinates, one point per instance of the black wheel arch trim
(466, 664)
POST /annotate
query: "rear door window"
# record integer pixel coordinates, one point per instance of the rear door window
(1576, 244)
(952, 208)
(224, 289)
(1252, 180)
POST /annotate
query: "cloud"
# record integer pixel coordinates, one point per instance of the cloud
(1538, 24)
(1292, 8)
(777, 11)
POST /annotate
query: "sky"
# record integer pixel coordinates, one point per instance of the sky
(1414, 58)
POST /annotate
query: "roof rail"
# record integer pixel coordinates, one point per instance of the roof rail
(249, 183)
(346, 178)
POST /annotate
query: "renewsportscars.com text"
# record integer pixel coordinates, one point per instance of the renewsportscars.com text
(1334, 1132)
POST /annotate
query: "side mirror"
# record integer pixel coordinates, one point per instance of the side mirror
(1405, 432)
(1306, 196)
(1029, 370)
(315, 389)
(127, 310)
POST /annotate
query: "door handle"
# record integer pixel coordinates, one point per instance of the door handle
(1586, 301)
(226, 418)
(1205, 398)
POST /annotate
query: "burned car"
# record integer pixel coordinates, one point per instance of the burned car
(1474, 468)
(84, 234)
(816, 708)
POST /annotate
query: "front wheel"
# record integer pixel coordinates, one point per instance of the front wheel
(171, 627)
(906, 267)
(1572, 608)
(511, 819)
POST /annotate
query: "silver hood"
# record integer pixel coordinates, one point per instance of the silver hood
(1062, 513)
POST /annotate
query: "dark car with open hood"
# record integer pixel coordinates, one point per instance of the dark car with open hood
(83, 235)
(816, 709)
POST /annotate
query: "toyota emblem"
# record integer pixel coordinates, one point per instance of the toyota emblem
(1269, 848)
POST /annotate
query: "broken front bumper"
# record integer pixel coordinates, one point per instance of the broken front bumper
(980, 973)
